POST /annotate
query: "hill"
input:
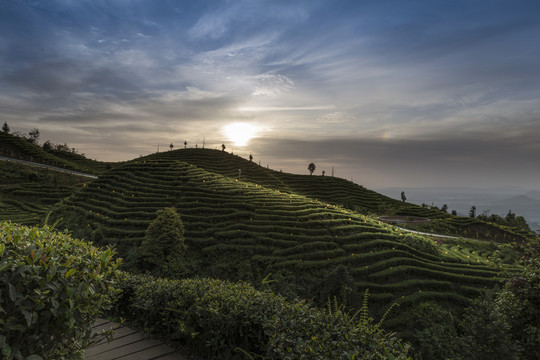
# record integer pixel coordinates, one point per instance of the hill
(28, 193)
(246, 230)
(17, 147)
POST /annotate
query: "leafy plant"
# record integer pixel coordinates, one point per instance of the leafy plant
(52, 288)
(164, 237)
(229, 321)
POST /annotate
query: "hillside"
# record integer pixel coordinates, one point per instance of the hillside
(28, 193)
(338, 191)
(19, 148)
(242, 230)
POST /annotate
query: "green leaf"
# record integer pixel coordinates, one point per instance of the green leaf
(6, 350)
(70, 273)
(33, 357)
(12, 292)
(28, 317)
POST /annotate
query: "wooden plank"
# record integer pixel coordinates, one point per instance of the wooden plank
(150, 353)
(127, 344)
(130, 350)
(108, 346)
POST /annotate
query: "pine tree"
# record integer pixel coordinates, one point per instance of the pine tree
(5, 127)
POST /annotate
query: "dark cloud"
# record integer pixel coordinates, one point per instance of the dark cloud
(389, 91)
(458, 161)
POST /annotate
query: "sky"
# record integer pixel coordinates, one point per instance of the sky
(418, 93)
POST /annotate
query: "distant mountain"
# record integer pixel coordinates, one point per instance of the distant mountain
(498, 201)
(535, 194)
(520, 201)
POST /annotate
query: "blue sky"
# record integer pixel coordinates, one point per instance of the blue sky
(389, 93)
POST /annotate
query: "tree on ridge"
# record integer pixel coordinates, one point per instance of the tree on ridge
(311, 168)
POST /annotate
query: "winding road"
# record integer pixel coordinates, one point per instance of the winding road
(54, 168)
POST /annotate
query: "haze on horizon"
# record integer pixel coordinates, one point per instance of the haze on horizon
(389, 93)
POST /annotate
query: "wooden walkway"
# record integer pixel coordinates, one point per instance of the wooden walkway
(128, 344)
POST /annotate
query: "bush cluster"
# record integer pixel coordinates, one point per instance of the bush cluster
(227, 321)
(52, 288)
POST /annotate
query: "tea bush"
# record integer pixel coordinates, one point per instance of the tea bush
(52, 288)
(226, 320)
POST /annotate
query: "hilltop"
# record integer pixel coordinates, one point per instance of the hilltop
(313, 237)
(249, 228)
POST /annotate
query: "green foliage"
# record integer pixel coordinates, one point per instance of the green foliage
(164, 238)
(433, 331)
(227, 321)
(340, 285)
(52, 288)
(520, 303)
(420, 243)
(484, 332)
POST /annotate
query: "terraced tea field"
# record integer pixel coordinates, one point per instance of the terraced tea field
(247, 230)
(28, 194)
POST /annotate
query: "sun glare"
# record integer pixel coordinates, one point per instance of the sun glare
(240, 133)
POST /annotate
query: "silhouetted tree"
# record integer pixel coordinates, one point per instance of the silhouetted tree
(5, 127)
(47, 146)
(510, 216)
(311, 168)
(223, 147)
(472, 212)
(323, 172)
(171, 146)
(250, 157)
(454, 212)
(403, 197)
(33, 136)
(444, 208)
(185, 144)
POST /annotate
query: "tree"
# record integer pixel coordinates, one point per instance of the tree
(454, 212)
(433, 328)
(223, 147)
(311, 168)
(520, 302)
(33, 136)
(47, 146)
(250, 157)
(323, 172)
(403, 197)
(185, 144)
(444, 208)
(164, 238)
(472, 212)
(484, 331)
(171, 146)
(5, 127)
(339, 284)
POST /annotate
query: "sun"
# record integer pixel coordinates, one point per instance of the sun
(240, 133)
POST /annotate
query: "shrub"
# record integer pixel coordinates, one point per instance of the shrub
(164, 237)
(226, 320)
(52, 288)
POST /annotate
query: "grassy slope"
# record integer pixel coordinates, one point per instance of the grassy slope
(28, 193)
(339, 191)
(247, 229)
(19, 148)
